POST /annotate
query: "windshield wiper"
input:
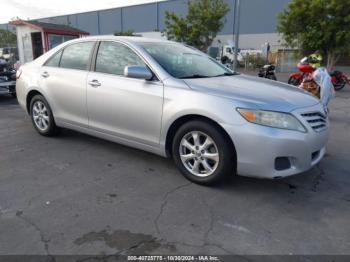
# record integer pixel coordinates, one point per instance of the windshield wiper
(204, 76)
(194, 76)
(227, 74)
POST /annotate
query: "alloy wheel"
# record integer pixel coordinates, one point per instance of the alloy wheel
(40, 116)
(199, 153)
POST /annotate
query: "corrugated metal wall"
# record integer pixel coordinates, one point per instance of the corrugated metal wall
(257, 16)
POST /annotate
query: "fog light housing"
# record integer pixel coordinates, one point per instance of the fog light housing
(282, 163)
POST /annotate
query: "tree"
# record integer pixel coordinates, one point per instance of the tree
(7, 38)
(317, 25)
(201, 25)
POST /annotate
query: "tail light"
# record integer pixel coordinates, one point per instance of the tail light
(18, 73)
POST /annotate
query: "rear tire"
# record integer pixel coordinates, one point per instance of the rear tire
(205, 158)
(339, 84)
(272, 77)
(42, 116)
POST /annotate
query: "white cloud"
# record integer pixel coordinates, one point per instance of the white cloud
(34, 9)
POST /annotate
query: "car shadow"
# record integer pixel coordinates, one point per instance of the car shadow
(7, 100)
(114, 147)
(304, 182)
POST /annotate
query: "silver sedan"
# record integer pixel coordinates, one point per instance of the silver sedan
(175, 101)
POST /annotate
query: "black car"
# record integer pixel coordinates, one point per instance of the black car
(7, 79)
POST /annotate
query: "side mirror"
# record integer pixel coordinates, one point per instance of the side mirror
(137, 71)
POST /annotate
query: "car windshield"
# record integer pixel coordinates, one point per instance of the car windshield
(184, 62)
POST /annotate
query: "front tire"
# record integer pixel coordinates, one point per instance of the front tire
(202, 153)
(42, 117)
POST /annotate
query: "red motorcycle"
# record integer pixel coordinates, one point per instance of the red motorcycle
(339, 79)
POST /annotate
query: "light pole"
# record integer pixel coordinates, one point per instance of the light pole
(236, 31)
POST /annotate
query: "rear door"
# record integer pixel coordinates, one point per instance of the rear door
(125, 107)
(64, 78)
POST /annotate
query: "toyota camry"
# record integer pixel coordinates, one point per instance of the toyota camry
(175, 101)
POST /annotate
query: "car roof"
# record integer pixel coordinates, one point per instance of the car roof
(130, 39)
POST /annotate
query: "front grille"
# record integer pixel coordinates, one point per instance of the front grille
(316, 120)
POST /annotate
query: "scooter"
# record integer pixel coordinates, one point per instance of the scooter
(267, 71)
(339, 79)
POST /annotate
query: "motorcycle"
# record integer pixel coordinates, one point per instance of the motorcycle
(339, 79)
(267, 71)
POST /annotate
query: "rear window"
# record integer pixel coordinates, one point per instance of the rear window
(76, 56)
(54, 61)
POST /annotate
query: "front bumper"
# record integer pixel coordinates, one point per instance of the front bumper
(259, 148)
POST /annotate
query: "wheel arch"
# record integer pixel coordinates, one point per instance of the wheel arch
(186, 118)
(29, 97)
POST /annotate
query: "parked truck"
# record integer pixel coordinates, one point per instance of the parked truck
(226, 53)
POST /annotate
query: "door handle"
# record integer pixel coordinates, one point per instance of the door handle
(45, 74)
(94, 83)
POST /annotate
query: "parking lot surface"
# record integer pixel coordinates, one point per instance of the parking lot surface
(75, 194)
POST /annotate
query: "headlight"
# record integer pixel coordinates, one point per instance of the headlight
(272, 119)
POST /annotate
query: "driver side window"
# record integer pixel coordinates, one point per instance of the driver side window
(113, 57)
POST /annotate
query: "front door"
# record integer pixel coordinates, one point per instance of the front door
(128, 108)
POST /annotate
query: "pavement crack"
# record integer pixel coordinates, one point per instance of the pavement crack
(211, 223)
(164, 203)
(136, 246)
(43, 239)
(118, 254)
(206, 241)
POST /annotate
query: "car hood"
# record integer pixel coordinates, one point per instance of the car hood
(254, 92)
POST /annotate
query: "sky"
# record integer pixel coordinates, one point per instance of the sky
(33, 9)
